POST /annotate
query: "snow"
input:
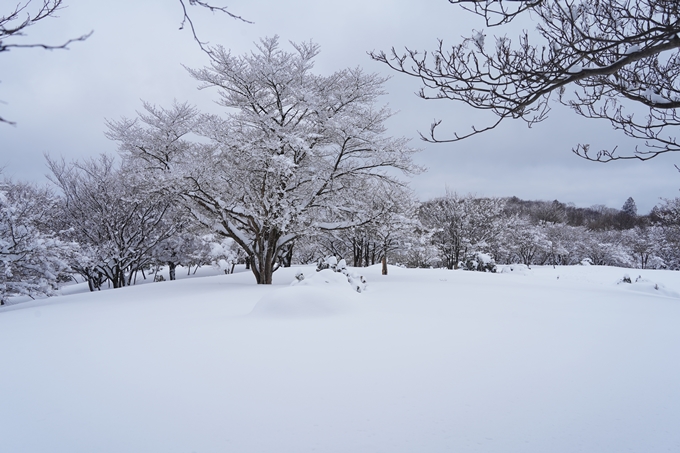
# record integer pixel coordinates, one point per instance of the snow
(479, 37)
(557, 359)
(575, 69)
(632, 49)
(654, 97)
(322, 293)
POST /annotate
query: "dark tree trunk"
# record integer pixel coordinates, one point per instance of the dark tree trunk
(264, 259)
(357, 252)
(287, 257)
(171, 270)
(384, 265)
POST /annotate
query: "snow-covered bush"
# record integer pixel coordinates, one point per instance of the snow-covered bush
(331, 263)
(482, 262)
(225, 254)
(513, 268)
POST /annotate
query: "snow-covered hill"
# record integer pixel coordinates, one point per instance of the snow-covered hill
(530, 360)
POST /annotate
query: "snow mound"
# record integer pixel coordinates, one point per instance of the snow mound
(643, 285)
(519, 269)
(324, 293)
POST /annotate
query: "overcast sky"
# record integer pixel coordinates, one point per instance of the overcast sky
(60, 99)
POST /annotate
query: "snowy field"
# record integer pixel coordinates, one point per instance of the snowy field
(542, 360)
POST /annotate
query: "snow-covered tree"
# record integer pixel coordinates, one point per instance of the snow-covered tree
(645, 245)
(292, 154)
(115, 213)
(668, 215)
(181, 249)
(31, 257)
(528, 242)
(602, 58)
(629, 207)
(462, 225)
(391, 228)
(606, 248)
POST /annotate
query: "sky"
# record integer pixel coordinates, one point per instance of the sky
(60, 99)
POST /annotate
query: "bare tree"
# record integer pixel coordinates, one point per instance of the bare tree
(602, 58)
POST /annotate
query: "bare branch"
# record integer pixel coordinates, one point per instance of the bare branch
(186, 19)
(614, 54)
(15, 23)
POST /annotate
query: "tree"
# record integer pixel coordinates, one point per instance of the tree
(31, 258)
(392, 227)
(645, 244)
(461, 225)
(627, 218)
(668, 217)
(616, 55)
(629, 207)
(528, 242)
(294, 153)
(114, 213)
(605, 248)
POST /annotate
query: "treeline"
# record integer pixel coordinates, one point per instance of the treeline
(475, 233)
(111, 226)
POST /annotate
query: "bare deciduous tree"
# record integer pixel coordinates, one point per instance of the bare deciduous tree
(603, 58)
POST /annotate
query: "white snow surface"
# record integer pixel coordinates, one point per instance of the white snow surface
(565, 359)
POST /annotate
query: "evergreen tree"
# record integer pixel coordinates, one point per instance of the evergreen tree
(629, 207)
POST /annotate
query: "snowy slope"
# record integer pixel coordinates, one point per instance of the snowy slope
(541, 360)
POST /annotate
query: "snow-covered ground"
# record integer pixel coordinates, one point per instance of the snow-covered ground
(541, 360)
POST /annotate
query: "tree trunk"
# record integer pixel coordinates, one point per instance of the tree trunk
(287, 258)
(171, 270)
(90, 283)
(384, 265)
(357, 249)
(263, 260)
